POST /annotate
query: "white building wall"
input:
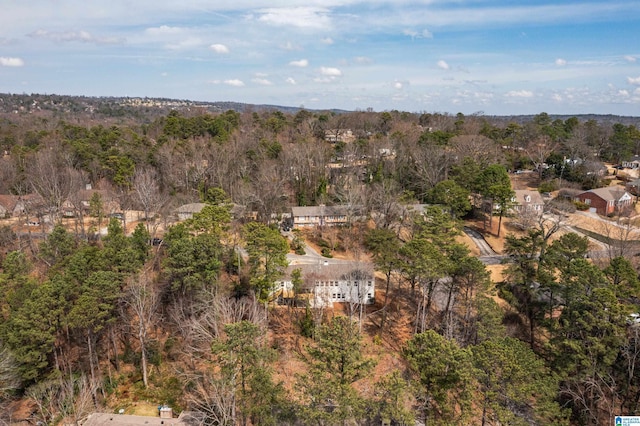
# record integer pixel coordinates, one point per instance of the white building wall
(326, 292)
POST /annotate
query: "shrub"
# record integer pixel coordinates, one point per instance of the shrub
(548, 186)
(581, 206)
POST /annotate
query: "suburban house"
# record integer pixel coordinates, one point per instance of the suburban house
(528, 202)
(325, 284)
(633, 187)
(18, 205)
(310, 216)
(339, 135)
(633, 163)
(81, 201)
(607, 200)
(186, 211)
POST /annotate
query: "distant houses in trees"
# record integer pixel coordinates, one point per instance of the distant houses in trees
(339, 135)
(19, 205)
(80, 202)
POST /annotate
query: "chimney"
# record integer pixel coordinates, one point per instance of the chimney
(166, 412)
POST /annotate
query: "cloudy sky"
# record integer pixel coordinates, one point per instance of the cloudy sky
(491, 56)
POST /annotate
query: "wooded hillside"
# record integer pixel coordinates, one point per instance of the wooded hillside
(143, 242)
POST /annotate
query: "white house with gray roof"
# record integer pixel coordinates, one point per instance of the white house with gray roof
(328, 283)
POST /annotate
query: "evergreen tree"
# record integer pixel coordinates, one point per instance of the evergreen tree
(335, 362)
(267, 251)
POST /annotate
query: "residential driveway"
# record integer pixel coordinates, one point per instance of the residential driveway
(487, 255)
(311, 256)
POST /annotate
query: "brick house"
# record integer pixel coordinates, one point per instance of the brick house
(607, 200)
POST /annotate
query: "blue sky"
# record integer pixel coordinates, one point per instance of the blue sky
(495, 57)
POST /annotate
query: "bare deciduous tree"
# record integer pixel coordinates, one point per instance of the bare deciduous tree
(147, 193)
(143, 299)
(538, 150)
(68, 397)
(382, 203)
(53, 178)
(9, 375)
(204, 321)
(213, 399)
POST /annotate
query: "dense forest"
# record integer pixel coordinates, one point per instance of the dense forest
(101, 308)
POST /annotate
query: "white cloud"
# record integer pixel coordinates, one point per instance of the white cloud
(74, 36)
(330, 72)
(301, 63)
(11, 62)
(561, 62)
(234, 83)
(301, 17)
(556, 97)
(630, 58)
(163, 30)
(624, 93)
(397, 85)
(291, 81)
(520, 94)
(363, 60)
(219, 48)
(290, 46)
(262, 81)
(187, 43)
(418, 34)
(327, 40)
(443, 65)
(632, 80)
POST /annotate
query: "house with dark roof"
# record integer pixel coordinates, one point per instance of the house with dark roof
(606, 200)
(328, 283)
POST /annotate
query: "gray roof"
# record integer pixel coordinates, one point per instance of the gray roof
(100, 419)
(608, 193)
(190, 208)
(323, 211)
(534, 197)
(334, 271)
